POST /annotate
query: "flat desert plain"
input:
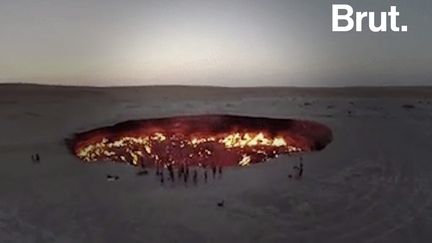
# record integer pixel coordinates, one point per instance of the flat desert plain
(371, 184)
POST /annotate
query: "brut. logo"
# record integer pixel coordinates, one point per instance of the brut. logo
(344, 20)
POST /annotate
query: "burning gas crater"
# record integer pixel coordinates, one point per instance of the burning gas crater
(207, 141)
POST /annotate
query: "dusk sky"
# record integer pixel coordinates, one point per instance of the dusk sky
(199, 42)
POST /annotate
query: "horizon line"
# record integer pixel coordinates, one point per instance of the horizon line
(217, 86)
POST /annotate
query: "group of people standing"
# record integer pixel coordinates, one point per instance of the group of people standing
(185, 174)
(35, 158)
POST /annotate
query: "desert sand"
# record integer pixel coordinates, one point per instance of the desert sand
(371, 184)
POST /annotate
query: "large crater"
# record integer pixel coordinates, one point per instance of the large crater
(205, 141)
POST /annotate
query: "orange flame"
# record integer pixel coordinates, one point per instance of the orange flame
(200, 141)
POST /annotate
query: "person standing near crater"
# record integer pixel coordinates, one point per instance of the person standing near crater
(300, 172)
(299, 168)
(195, 177)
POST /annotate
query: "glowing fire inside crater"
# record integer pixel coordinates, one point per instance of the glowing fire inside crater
(206, 141)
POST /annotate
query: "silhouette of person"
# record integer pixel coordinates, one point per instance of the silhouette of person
(180, 171)
(171, 172)
(187, 171)
(300, 172)
(195, 177)
(186, 177)
(214, 171)
(299, 169)
(162, 177)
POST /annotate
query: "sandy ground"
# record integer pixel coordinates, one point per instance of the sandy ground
(372, 184)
